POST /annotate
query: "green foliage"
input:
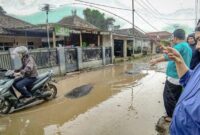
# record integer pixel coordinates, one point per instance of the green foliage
(173, 27)
(84, 44)
(165, 43)
(98, 19)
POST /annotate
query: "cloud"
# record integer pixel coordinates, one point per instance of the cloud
(26, 7)
(165, 7)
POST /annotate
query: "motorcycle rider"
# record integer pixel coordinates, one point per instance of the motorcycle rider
(28, 71)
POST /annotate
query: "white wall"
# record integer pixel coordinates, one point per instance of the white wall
(106, 40)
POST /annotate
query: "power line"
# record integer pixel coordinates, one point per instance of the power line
(112, 14)
(146, 21)
(148, 7)
(151, 10)
(104, 5)
(160, 22)
(153, 15)
(160, 16)
(90, 4)
(153, 7)
(115, 14)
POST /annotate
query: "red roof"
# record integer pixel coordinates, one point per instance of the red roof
(161, 35)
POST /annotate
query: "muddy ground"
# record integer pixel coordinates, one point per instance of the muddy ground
(126, 99)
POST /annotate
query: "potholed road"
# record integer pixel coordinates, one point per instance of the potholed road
(121, 103)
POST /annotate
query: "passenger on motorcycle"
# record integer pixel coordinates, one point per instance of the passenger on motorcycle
(28, 71)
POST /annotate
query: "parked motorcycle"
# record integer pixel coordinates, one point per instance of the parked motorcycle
(42, 89)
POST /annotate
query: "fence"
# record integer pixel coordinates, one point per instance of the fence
(5, 60)
(91, 54)
(45, 58)
(62, 59)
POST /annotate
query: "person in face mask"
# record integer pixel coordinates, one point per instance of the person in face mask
(195, 51)
(192, 42)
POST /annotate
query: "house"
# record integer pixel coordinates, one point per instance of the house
(160, 35)
(71, 31)
(81, 32)
(124, 42)
(11, 35)
(157, 37)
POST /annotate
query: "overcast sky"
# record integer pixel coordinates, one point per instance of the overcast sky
(31, 6)
(26, 7)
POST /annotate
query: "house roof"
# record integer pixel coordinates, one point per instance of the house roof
(159, 33)
(129, 32)
(8, 22)
(11, 22)
(163, 35)
(77, 23)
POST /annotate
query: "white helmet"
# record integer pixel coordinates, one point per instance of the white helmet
(21, 50)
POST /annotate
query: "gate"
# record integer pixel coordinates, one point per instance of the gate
(5, 60)
(71, 59)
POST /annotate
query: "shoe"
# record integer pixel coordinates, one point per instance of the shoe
(162, 126)
(26, 99)
(167, 119)
(21, 97)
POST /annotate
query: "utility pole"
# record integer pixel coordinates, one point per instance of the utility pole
(46, 8)
(196, 11)
(133, 17)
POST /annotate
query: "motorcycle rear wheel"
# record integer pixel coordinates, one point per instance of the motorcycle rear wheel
(5, 106)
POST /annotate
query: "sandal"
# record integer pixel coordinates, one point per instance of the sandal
(167, 118)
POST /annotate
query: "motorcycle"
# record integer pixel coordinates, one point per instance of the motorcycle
(42, 89)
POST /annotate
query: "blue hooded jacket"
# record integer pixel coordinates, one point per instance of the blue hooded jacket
(186, 117)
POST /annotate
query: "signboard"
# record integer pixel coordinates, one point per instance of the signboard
(61, 31)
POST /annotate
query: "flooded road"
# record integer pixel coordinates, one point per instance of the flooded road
(126, 99)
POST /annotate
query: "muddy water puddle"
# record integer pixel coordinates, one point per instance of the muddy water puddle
(46, 118)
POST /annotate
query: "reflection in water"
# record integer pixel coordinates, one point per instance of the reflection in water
(23, 129)
(112, 116)
(131, 106)
(36, 120)
(5, 123)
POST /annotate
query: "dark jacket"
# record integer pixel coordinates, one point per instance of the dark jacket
(195, 59)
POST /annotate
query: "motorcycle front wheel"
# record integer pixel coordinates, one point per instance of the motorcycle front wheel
(5, 106)
(51, 89)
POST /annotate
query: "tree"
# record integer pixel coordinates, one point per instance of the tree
(2, 11)
(98, 19)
